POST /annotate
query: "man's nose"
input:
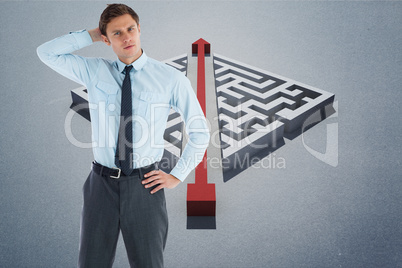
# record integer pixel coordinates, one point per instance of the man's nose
(126, 37)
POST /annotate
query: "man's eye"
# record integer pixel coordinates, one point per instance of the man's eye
(116, 33)
(130, 29)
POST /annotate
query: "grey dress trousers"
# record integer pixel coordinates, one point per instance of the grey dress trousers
(111, 205)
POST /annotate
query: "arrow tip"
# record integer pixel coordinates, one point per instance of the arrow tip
(201, 42)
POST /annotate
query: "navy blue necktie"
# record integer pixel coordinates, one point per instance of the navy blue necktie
(124, 150)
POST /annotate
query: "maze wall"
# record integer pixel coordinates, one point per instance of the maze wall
(256, 109)
(179, 62)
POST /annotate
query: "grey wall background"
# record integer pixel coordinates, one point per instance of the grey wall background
(309, 214)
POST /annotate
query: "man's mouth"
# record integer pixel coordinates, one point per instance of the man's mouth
(130, 46)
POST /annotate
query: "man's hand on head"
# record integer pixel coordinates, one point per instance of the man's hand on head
(160, 178)
(95, 34)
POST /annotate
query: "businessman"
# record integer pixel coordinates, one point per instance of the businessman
(130, 99)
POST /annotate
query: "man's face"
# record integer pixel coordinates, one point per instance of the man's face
(123, 34)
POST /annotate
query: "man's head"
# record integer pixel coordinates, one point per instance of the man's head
(113, 11)
(120, 29)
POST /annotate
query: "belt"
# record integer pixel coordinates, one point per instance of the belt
(115, 173)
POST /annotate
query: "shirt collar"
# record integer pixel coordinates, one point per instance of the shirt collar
(137, 64)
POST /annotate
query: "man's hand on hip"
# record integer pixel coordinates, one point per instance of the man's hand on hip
(160, 178)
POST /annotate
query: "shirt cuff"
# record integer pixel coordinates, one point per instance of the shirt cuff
(179, 173)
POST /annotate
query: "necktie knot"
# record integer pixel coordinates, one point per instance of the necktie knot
(128, 69)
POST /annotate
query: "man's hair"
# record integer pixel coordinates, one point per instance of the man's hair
(113, 11)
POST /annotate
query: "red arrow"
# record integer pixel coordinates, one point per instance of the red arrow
(201, 200)
(201, 47)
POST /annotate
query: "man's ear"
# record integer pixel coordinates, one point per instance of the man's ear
(105, 40)
(139, 29)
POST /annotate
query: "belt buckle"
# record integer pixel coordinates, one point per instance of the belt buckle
(118, 175)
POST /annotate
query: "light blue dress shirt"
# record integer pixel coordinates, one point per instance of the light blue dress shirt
(156, 87)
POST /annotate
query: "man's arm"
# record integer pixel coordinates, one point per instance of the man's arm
(57, 55)
(186, 103)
